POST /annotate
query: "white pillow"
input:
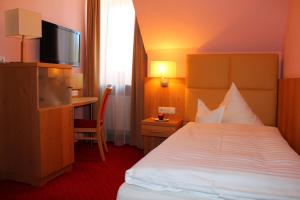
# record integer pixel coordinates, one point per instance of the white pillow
(237, 109)
(205, 115)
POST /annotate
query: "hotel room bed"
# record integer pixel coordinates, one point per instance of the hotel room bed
(222, 161)
(218, 161)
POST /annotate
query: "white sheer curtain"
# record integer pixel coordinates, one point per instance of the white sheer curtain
(117, 34)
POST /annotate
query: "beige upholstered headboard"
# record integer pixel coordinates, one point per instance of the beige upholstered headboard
(210, 75)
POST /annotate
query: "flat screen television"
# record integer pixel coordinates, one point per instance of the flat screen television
(59, 45)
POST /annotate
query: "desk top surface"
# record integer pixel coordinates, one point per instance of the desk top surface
(81, 101)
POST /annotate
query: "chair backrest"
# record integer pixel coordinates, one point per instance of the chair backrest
(103, 105)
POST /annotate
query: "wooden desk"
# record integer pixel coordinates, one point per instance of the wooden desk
(82, 101)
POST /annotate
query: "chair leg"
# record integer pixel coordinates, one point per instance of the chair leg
(103, 138)
(100, 145)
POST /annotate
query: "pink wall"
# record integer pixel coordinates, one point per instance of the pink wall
(292, 42)
(213, 25)
(68, 13)
(171, 29)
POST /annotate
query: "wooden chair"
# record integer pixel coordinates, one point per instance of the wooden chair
(95, 126)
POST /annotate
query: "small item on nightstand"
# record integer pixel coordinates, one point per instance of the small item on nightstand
(161, 116)
(163, 120)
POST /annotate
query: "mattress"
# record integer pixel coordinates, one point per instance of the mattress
(133, 192)
(221, 161)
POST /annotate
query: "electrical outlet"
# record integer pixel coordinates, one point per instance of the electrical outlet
(2, 59)
(75, 93)
(167, 110)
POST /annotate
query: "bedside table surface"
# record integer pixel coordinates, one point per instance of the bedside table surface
(171, 122)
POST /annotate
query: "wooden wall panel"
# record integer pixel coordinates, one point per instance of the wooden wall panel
(155, 96)
(289, 111)
(209, 76)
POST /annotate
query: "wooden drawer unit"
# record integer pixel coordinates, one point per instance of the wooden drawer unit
(155, 132)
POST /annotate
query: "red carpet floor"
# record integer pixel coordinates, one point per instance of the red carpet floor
(90, 178)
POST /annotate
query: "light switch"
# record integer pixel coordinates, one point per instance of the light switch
(167, 110)
(2, 59)
(75, 93)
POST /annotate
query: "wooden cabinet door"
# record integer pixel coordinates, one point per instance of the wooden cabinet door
(67, 136)
(56, 139)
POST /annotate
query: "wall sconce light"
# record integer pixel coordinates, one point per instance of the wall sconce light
(164, 70)
(23, 24)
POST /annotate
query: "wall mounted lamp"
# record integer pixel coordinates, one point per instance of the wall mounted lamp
(164, 70)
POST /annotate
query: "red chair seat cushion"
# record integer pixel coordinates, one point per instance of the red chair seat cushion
(84, 123)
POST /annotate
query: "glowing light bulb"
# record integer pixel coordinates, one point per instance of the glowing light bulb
(162, 69)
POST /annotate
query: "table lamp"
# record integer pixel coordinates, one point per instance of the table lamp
(23, 24)
(164, 70)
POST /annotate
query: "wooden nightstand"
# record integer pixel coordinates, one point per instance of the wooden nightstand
(155, 132)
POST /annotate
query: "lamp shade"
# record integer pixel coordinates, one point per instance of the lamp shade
(166, 69)
(20, 22)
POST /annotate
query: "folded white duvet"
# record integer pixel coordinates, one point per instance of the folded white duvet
(229, 161)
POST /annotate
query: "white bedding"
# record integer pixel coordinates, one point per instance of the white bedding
(228, 161)
(133, 192)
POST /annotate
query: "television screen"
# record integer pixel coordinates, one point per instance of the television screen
(59, 45)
